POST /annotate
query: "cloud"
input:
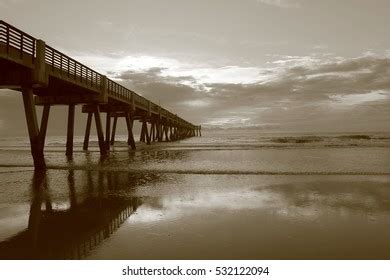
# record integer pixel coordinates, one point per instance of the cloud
(196, 103)
(356, 99)
(292, 91)
(168, 67)
(180, 94)
(227, 74)
(280, 3)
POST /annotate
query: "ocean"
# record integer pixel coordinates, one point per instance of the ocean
(230, 194)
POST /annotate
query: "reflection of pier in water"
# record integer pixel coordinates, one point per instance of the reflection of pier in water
(71, 233)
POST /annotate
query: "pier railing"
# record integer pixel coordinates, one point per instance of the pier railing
(14, 38)
(58, 61)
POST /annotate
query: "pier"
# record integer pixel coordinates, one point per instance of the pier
(47, 77)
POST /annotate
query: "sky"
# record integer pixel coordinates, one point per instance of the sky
(279, 65)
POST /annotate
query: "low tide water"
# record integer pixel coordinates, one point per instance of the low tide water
(226, 195)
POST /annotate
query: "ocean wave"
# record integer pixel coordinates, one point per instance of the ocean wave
(241, 141)
(200, 172)
(314, 139)
(355, 137)
(298, 140)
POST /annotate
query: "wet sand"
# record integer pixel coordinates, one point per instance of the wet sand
(171, 202)
(177, 216)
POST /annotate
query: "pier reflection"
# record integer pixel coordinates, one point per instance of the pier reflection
(73, 226)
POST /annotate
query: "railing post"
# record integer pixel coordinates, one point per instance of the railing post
(103, 90)
(132, 102)
(40, 75)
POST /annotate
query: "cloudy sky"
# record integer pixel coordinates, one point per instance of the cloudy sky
(288, 65)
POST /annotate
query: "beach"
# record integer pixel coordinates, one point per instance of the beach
(238, 194)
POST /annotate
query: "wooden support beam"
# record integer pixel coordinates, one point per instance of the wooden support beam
(33, 130)
(44, 121)
(160, 132)
(99, 129)
(130, 138)
(148, 133)
(108, 130)
(87, 131)
(157, 125)
(178, 133)
(114, 130)
(70, 131)
(166, 133)
(143, 128)
(174, 133)
(153, 131)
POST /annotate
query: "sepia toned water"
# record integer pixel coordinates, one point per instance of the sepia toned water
(240, 194)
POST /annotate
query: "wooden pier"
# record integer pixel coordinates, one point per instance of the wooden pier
(47, 77)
